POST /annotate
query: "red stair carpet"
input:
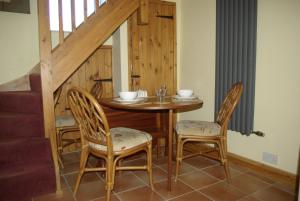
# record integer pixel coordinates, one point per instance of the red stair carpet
(26, 166)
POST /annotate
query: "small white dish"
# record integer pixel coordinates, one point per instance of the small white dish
(138, 99)
(128, 95)
(185, 98)
(185, 92)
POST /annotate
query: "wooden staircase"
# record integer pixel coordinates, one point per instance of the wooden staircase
(58, 64)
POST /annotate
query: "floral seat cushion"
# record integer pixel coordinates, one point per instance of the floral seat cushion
(204, 128)
(124, 138)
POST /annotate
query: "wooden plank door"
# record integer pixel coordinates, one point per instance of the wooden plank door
(152, 49)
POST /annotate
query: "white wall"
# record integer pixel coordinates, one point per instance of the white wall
(277, 85)
(19, 47)
(277, 77)
(198, 54)
(120, 60)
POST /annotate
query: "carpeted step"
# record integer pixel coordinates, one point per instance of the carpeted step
(24, 150)
(21, 102)
(26, 166)
(25, 181)
(35, 82)
(13, 125)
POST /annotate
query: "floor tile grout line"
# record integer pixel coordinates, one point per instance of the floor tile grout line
(285, 190)
(262, 189)
(249, 196)
(246, 172)
(193, 190)
(133, 187)
(181, 195)
(207, 196)
(200, 170)
(130, 189)
(209, 185)
(118, 196)
(222, 181)
(272, 184)
(183, 181)
(147, 184)
(69, 188)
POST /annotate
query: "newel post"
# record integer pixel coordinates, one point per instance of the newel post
(46, 78)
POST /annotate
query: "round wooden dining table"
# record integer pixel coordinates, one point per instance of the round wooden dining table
(155, 104)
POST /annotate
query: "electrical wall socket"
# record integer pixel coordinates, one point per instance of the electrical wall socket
(270, 158)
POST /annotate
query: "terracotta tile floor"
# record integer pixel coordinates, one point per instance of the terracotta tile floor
(200, 179)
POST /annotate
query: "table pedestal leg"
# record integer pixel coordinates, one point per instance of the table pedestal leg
(170, 149)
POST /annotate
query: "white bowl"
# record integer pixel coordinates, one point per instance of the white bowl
(128, 95)
(185, 92)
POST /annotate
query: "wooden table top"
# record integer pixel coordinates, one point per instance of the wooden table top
(153, 103)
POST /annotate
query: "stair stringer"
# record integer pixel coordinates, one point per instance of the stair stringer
(67, 57)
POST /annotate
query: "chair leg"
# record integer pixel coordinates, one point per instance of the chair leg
(108, 192)
(224, 160)
(109, 177)
(83, 160)
(114, 167)
(178, 156)
(149, 164)
(60, 160)
(59, 148)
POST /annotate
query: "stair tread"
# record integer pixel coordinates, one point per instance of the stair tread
(23, 169)
(14, 125)
(33, 93)
(22, 150)
(26, 166)
(12, 114)
(21, 102)
(22, 140)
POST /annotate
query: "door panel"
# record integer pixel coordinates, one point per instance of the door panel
(152, 54)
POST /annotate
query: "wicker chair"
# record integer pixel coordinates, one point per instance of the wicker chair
(64, 124)
(67, 124)
(214, 133)
(109, 144)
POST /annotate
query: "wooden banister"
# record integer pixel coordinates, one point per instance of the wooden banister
(61, 26)
(73, 18)
(46, 78)
(59, 64)
(85, 9)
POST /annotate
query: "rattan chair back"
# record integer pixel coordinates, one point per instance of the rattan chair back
(90, 117)
(228, 106)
